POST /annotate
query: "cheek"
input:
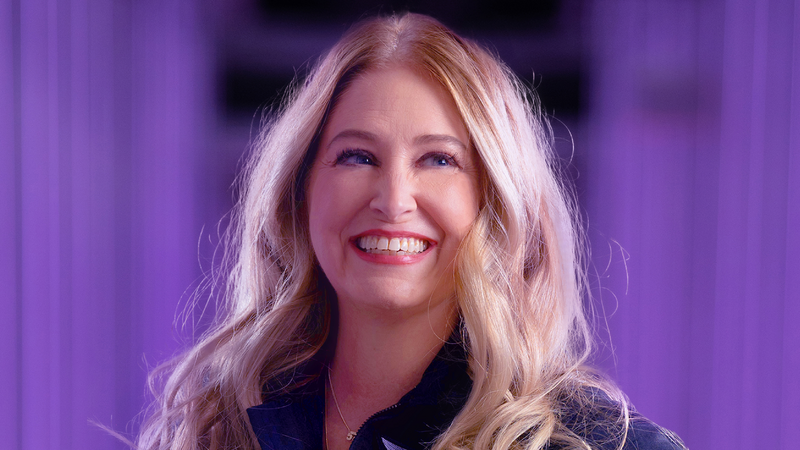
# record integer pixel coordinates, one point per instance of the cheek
(467, 208)
(332, 202)
(318, 212)
(458, 204)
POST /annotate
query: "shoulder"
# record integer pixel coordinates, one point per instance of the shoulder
(646, 435)
(641, 434)
(596, 419)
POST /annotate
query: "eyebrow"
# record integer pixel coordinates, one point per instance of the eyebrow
(358, 134)
(439, 138)
(419, 140)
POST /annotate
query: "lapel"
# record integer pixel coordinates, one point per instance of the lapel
(389, 446)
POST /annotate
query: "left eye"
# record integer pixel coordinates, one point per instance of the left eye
(438, 160)
(356, 157)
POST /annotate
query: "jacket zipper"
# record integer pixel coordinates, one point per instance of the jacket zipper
(374, 415)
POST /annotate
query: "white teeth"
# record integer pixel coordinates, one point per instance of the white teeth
(393, 246)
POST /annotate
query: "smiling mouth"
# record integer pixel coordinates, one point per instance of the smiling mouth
(383, 245)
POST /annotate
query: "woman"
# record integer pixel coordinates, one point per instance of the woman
(405, 271)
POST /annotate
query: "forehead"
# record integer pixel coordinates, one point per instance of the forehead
(396, 100)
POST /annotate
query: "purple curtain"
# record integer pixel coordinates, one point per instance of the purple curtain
(692, 201)
(105, 108)
(109, 150)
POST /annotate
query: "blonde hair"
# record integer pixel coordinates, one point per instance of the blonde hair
(519, 272)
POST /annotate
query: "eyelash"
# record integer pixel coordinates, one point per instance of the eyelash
(343, 157)
(451, 159)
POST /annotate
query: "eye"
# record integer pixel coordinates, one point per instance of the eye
(355, 157)
(438, 159)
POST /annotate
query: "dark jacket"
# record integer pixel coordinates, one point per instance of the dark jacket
(294, 421)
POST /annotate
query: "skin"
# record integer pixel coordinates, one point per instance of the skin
(394, 160)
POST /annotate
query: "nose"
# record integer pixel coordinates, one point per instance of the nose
(395, 195)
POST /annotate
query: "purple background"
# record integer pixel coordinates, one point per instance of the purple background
(117, 155)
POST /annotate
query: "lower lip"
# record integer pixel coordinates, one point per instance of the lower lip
(390, 259)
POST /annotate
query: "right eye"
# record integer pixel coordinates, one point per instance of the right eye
(355, 157)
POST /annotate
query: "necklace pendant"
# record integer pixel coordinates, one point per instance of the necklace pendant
(351, 435)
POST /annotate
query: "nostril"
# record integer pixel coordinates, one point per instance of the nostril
(394, 198)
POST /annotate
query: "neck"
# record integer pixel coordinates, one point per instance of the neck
(378, 359)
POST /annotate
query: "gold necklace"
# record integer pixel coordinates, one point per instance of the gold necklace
(350, 433)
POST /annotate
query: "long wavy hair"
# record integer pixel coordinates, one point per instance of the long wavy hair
(519, 271)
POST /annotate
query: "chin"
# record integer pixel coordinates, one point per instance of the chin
(391, 302)
(394, 305)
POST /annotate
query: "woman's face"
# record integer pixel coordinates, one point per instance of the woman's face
(392, 193)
